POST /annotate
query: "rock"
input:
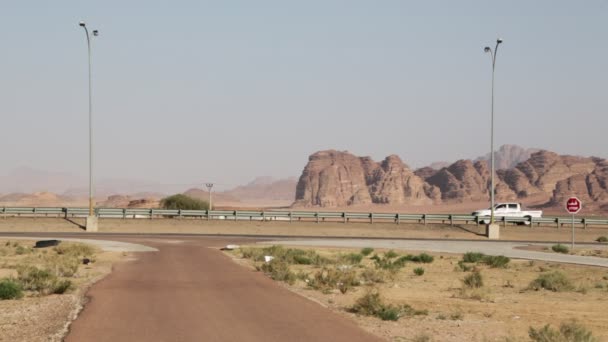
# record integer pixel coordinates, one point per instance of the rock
(333, 179)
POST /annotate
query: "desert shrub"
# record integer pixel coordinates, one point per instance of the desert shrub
(63, 265)
(75, 250)
(456, 316)
(391, 254)
(373, 275)
(472, 257)
(35, 279)
(568, 332)
(464, 267)
(389, 313)
(371, 304)
(256, 254)
(602, 239)
(473, 280)
(559, 248)
(498, 261)
(389, 264)
(408, 310)
(555, 281)
(10, 289)
(19, 250)
(351, 258)
(367, 251)
(279, 270)
(421, 258)
(419, 271)
(328, 279)
(61, 286)
(184, 202)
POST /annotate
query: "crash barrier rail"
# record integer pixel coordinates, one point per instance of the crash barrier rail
(282, 215)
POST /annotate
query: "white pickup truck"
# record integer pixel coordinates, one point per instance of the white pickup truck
(507, 210)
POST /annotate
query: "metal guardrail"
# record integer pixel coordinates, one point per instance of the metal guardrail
(282, 215)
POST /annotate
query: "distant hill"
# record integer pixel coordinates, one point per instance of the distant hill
(266, 188)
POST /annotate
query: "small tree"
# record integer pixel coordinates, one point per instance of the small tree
(184, 202)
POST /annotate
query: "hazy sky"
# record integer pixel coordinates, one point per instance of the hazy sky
(189, 91)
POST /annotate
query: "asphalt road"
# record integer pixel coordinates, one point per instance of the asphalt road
(188, 291)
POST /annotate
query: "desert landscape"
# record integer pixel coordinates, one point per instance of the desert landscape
(340, 181)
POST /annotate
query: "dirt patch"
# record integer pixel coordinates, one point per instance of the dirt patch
(40, 316)
(504, 308)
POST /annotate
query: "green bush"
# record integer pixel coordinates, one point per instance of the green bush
(419, 271)
(568, 332)
(555, 281)
(61, 286)
(473, 280)
(371, 304)
(559, 248)
(184, 202)
(10, 289)
(391, 254)
(421, 258)
(472, 257)
(367, 251)
(351, 258)
(389, 264)
(602, 239)
(498, 261)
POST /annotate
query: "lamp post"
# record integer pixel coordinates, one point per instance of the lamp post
(493, 54)
(209, 188)
(91, 220)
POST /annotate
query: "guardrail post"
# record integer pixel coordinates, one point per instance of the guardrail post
(504, 221)
(263, 216)
(398, 219)
(236, 214)
(451, 220)
(208, 214)
(343, 217)
(317, 215)
(424, 218)
(371, 218)
(584, 223)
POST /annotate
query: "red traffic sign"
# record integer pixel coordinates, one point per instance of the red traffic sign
(574, 205)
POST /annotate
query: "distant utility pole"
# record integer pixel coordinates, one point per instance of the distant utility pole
(209, 187)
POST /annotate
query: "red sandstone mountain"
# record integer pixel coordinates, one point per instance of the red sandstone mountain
(336, 179)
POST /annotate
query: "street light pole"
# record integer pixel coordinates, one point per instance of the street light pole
(95, 33)
(493, 54)
(209, 187)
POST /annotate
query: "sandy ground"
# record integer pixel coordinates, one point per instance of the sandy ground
(276, 228)
(46, 318)
(503, 309)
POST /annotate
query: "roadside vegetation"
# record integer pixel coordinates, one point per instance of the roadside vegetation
(41, 272)
(180, 201)
(390, 285)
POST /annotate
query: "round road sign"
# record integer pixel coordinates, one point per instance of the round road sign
(573, 205)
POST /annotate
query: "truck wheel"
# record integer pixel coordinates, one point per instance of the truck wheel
(528, 220)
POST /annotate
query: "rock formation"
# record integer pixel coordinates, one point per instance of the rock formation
(333, 179)
(337, 179)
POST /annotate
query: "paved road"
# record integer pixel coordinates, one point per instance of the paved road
(189, 292)
(446, 246)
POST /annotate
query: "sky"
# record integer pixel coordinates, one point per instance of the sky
(224, 91)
